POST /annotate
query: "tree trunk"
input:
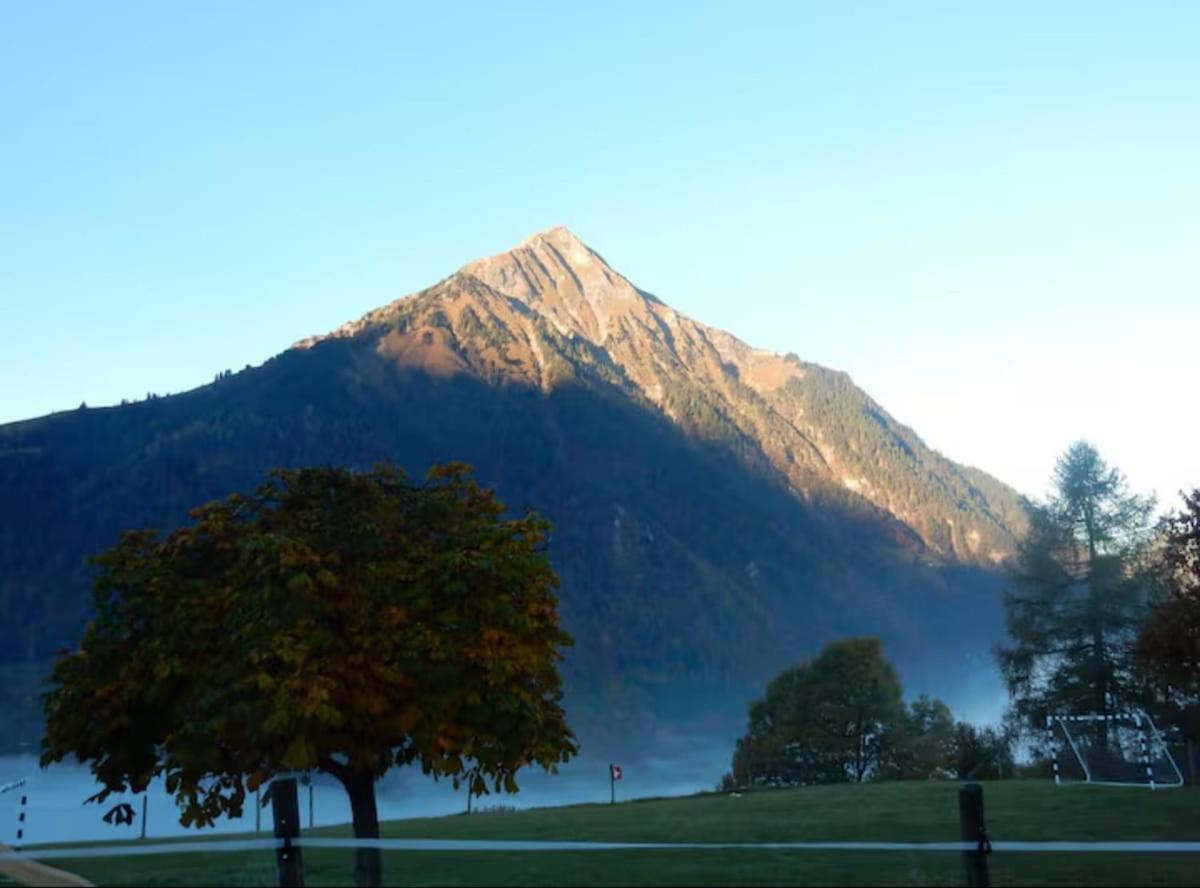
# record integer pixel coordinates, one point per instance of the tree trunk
(368, 862)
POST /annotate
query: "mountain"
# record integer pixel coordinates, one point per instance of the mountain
(720, 510)
(552, 311)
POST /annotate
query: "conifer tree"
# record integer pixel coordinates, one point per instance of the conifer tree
(1078, 594)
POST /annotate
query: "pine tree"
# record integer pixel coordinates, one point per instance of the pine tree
(1078, 595)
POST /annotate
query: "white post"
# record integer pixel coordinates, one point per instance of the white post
(1053, 750)
(1144, 749)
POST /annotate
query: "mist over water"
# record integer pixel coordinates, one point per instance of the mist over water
(663, 764)
(56, 812)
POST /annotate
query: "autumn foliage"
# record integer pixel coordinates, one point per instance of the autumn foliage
(1169, 644)
(331, 621)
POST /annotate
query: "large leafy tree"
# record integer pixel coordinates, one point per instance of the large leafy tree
(332, 621)
(826, 720)
(1168, 646)
(1078, 594)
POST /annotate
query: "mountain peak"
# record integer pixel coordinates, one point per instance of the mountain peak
(496, 318)
(559, 234)
(560, 276)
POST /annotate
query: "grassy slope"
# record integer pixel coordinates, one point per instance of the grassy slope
(1017, 810)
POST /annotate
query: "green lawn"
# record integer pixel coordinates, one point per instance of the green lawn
(905, 812)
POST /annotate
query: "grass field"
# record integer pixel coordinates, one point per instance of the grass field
(902, 812)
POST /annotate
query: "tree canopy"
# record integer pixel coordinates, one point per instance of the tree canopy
(841, 717)
(1168, 646)
(1078, 594)
(331, 621)
(826, 720)
(922, 745)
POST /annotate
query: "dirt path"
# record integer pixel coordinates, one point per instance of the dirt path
(30, 872)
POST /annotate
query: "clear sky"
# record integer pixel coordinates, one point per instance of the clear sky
(988, 215)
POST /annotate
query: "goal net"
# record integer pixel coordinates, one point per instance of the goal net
(1122, 749)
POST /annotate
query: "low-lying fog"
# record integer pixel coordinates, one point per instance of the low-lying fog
(653, 766)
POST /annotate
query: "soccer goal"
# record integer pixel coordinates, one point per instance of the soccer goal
(1122, 749)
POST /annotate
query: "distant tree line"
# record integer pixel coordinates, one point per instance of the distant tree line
(841, 717)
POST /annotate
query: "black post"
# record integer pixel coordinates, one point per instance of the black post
(970, 819)
(285, 807)
(257, 811)
(310, 806)
(612, 786)
(144, 816)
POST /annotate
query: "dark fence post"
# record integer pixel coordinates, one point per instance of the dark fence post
(970, 819)
(285, 807)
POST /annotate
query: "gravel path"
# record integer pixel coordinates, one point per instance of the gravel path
(30, 872)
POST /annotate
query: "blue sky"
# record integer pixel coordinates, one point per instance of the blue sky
(987, 215)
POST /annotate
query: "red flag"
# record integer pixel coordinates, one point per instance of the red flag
(615, 771)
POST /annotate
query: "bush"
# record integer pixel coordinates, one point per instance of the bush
(982, 753)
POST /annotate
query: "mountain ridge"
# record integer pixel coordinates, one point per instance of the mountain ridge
(560, 278)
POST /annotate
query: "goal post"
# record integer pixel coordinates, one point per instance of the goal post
(1118, 749)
